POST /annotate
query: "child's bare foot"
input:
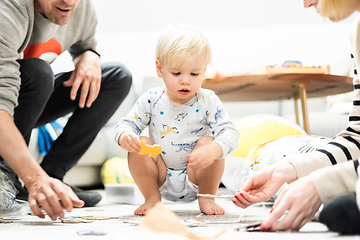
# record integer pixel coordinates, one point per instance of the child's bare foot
(142, 210)
(209, 207)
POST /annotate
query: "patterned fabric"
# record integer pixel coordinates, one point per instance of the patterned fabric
(178, 128)
(177, 187)
(47, 134)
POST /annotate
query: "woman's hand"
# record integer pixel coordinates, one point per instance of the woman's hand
(262, 185)
(295, 206)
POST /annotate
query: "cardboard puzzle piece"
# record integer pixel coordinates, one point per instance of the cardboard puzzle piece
(91, 232)
(85, 219)
(152, 151)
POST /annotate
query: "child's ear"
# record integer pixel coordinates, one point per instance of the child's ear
(158, 68)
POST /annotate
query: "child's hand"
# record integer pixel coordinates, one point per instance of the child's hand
(203, 156)
(130, 142)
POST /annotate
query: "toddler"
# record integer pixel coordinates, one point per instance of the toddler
(189, 123)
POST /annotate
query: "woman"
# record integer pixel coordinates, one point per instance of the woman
(323, 175)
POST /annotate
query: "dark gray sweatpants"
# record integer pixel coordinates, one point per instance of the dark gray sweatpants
(43, 99)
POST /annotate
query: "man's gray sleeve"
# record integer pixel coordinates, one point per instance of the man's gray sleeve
(15, 18)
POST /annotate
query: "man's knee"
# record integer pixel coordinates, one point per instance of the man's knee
(118, 74)
(116, 82)
(36, 76)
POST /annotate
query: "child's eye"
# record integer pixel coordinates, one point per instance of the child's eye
(194, 74)
(176, 74)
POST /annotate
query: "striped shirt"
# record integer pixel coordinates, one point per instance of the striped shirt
(334, 167)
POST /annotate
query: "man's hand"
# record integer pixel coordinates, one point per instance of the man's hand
(87, 74)
(53, 196)
(262, 185)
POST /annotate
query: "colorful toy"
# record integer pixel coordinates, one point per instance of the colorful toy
(292, 64)
(260, 128)
(292, 67)
(115, 170)
(152, 151)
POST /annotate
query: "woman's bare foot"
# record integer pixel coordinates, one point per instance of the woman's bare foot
(142, 210)
(209, 207)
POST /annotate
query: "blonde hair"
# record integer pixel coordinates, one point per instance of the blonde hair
(336, 8)
(182, 43)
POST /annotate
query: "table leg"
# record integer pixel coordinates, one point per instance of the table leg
(296, 106)
(304, 107)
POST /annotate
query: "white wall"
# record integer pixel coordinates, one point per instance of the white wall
(243, 34)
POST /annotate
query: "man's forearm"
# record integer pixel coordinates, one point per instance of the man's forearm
(14, 151)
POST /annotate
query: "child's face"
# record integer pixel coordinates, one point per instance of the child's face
(182, 81)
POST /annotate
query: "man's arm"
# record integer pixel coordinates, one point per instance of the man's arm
(51, 194)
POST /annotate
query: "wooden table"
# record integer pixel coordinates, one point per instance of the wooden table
(266, 87)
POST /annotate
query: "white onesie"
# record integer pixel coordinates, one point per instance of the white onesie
(178, 128)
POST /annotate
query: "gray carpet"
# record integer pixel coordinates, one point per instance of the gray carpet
(118, 216)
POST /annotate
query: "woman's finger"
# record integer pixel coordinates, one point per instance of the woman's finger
(276, 214)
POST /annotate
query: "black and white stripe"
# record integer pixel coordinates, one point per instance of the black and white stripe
(356, 165)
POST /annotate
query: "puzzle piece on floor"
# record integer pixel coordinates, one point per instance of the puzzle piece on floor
(93, 217)
(132, 222)
(97, 218)
(6, 221)
(9, 218)
(152, 151)
(75, 220)
(86, 219)
(91, 232)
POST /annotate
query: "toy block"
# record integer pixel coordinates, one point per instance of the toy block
(152, 151)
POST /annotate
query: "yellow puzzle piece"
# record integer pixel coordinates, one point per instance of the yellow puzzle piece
(152, 151)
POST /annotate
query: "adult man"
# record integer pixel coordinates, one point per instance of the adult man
(33, 34)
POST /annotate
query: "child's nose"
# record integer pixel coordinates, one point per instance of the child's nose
(185, 80)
